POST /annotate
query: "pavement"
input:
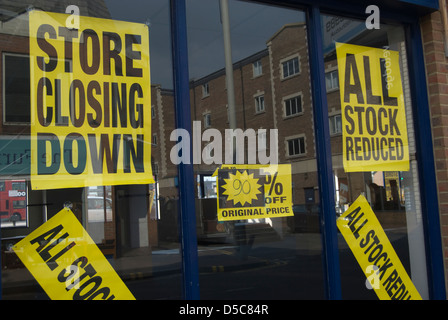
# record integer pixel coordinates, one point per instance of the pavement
(155, 262)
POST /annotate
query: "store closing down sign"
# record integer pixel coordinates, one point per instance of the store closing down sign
(67, 263)
(374, 253)
(254, 191)
(372, 109)
(90, 92)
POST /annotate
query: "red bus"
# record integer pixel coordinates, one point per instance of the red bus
(12, 200)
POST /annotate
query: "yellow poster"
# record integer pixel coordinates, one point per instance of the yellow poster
(68, 264)
(375, 254)
(254, 191)
(372, 109)
(90, 102)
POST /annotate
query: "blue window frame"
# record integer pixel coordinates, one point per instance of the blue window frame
(398, 11)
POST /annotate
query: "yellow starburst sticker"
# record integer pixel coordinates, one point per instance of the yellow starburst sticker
(251, 191)
(241, 188)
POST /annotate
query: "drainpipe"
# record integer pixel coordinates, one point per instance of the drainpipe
(224, 8)
(443, 11)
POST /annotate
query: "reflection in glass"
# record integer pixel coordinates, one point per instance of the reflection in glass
(392, 195)
(99, 214)
(256, 258)
(135, 227)
(13, 203)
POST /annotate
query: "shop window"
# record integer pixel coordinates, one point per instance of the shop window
(16, 88)
(390, 187)
(123, 220)
(267, 44)
(290, 67)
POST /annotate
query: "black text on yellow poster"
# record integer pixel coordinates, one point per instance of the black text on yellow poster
(90, 102)
(68, 264)
(374, 253)
(372, 109)
(254, 191)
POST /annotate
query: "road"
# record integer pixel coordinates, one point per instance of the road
(290, 269)
(272, 271)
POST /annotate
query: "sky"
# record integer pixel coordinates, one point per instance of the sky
(251, 26)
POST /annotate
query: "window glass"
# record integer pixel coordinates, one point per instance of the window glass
(258, 68)
(335, 124)
(290, 67)
(134, 226)
(392, 194)
(16, 79)
(293, 106)
(254, 257)
(259, 103)
(331, 80)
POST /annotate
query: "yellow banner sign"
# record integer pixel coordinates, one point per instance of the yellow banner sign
(68, 264)
(372, 109)
(375, 254)
(254, 191)
(90, 96)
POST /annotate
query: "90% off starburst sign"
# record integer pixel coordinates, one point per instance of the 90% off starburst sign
(254, 192)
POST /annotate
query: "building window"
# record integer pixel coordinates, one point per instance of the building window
(259, 103)
(291, 67)
(335, 124)
(261, 143)
(293, 106)
(331, 80)
(155, 168)
(257, 68)
(296, 146)
(154, 139)
(207, 120)
(206, 186)
(205, 90)
(208, 154)
(16, 88)
(153, 112)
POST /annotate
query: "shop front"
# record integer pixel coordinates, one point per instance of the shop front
(219, 149)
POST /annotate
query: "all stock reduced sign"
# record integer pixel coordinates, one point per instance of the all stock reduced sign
(68, 264)
(372, 109)
(90, 102)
